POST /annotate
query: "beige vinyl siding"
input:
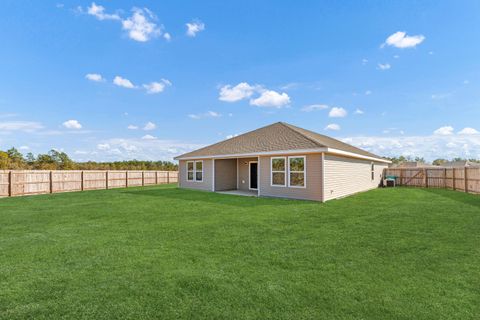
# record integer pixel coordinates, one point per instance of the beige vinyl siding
(225, 174)
(345, 176)
(206, 184)
(313, 177)
(243, 173)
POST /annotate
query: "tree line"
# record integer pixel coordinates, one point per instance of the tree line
(436, 162)
(12, 159)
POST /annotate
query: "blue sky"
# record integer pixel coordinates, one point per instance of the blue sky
(153, 79)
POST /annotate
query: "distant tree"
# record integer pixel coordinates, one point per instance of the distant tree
(4, 160)
(439, 162)
(58, 160)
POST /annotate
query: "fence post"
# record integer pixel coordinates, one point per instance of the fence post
(10, 182)
(465, 178)
(106, 179)
(453, 179)
(425, 177)
(81, 180)
(126, 179)
(51, 181)
(445, 178)
(156, 177)
(143, 178)
(168, 176)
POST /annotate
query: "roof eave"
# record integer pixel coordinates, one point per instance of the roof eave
(292, 151)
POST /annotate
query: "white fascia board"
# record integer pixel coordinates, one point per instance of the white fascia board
(356, 155)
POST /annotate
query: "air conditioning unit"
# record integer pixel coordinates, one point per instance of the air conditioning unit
(389, 182)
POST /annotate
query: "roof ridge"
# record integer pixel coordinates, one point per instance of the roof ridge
(293, 128)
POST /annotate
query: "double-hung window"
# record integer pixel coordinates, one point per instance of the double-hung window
(198, 170)
(195, 170)
(278, 172)
(296, 172)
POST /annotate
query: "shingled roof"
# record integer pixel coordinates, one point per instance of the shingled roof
(279, 136)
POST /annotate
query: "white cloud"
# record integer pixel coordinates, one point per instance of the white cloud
(148, 137)
(149, 126)
(384, 66)
(466, 82)
(396, 56)
(157, 87)
(446, 130)
(27, 126)
(430, 53)
(72, 124)
(336, 112)
(266, 98)
(368, 92)
(358, 111)
(132, 127)
(469, 131)
(194, 27)
(400, 40)
(364, 61)
(99, 12)
(230, 136)
(167, 36)
(430, 147)
(270, 98)
(94, 77)
(103, 146)
(142, 149)
(140, 25)
(314, 107)
(232, 94)
(122, 82)
(24, 148)
(333, 127)
(208, 114)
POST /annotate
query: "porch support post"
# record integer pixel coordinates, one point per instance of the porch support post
(258, 176)
(213, 175)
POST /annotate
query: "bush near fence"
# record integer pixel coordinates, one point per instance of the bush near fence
(465, 179)
(31, 182)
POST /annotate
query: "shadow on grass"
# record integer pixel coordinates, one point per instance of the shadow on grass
(460, 196)
(212, 197)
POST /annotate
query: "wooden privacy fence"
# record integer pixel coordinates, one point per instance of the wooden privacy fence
(23, 182)
(465, 179)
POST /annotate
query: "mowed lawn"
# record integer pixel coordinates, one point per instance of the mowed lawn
(165, 253)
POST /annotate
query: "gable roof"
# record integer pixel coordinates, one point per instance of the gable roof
(279, 136)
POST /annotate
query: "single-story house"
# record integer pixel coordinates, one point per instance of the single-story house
(281, 160)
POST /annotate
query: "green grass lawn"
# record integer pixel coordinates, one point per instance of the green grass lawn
(165, 253)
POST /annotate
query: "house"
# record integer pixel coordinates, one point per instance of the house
(281, 160)
(460, 164)
(412, 164)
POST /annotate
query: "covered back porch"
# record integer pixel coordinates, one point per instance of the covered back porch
(237, 176)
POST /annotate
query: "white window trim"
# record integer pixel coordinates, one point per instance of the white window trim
(285, 172)
(304, 172)
(193, 177)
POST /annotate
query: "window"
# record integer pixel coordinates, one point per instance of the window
(278, 166)
(195, 171)
(190, 171)
(296, 171)
(373, 171)
(198, 170)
